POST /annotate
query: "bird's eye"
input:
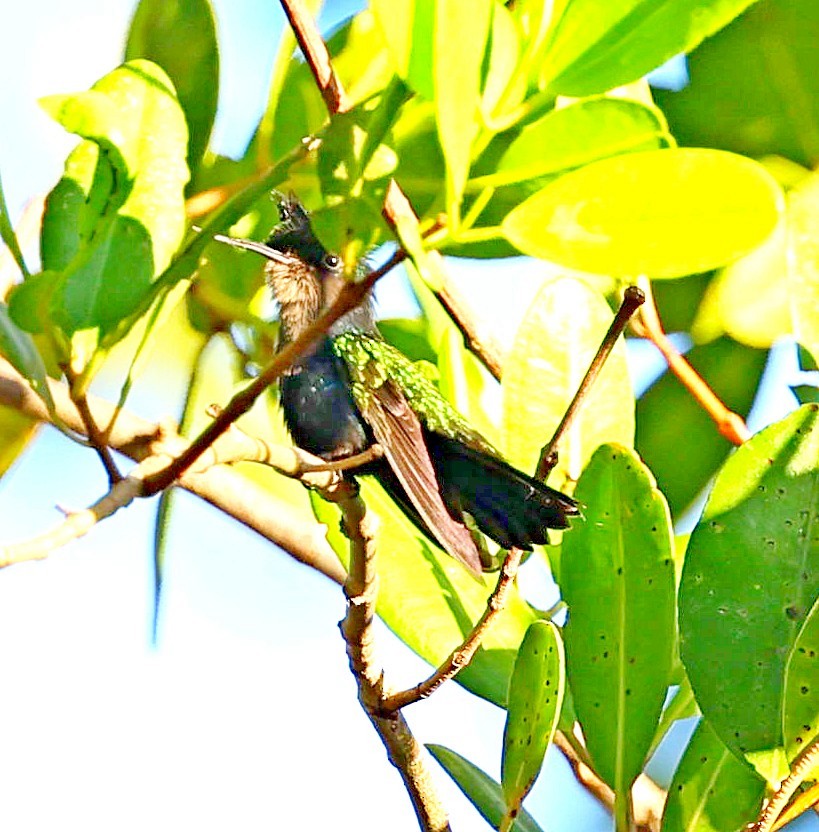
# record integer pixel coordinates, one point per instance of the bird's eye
(331, 261)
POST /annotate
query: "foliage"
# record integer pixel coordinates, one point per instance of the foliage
(530, 127)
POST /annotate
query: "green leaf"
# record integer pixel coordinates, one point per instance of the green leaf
(666, 412)
(360, 57)
(712, 790)
(751, 577)
(438, 47)
(116, 218)
(550, 355)
(535, 699)
(664, 213)
(593, 47)
(748, 300)
(19, 349)
(352, 158)
(460, 38)
(578, 134)
(803, 261)
(410, 336)
(8, 236)
(429, 600)
(502, 62)
(407, 26)
(745, 81)
(617, 577)
(800, 703)
(157, 30)
(483, 792)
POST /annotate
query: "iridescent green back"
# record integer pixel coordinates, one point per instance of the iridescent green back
(371, 362)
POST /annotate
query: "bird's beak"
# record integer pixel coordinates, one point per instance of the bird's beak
(259, 248)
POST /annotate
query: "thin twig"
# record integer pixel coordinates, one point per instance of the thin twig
(461, 657)
(632, 299)
(403, 750)
(98, 440)
(225, 489)
(731, 425)
(78, 523)
(479, 340)
(801, 804)
(802, 767)
(315, 53)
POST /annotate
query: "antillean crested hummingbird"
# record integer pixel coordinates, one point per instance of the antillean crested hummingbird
(353, 389)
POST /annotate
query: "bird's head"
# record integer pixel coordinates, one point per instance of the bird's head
(305, 278)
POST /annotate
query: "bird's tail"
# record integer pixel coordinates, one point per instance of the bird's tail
(509, 506)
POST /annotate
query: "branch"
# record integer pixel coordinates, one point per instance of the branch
(802, 767)
(461, 657)
(222, 487)
(731, 425)
(315, 53)
(647, 797)
(98, 439)
(403, 750)
(480, 341)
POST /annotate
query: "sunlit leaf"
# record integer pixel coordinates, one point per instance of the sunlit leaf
(751, 577)
(16, 431)
(552, 350)
(664, 213)
(115, 219)
(593, 47)
(157, 30)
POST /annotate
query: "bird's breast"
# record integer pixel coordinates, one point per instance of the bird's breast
(319, 409)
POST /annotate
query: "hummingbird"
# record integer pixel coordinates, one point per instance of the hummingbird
(353, 389)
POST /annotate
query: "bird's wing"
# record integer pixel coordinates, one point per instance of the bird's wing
(397, 429)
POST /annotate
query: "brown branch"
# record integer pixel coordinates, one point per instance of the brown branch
(97, 439)
(225, 489)
(403, 750)
(647, 797)
(461, 657)
(479, 339)
(801, 804)
(802, 767)
(731, 425)
(315, 53)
